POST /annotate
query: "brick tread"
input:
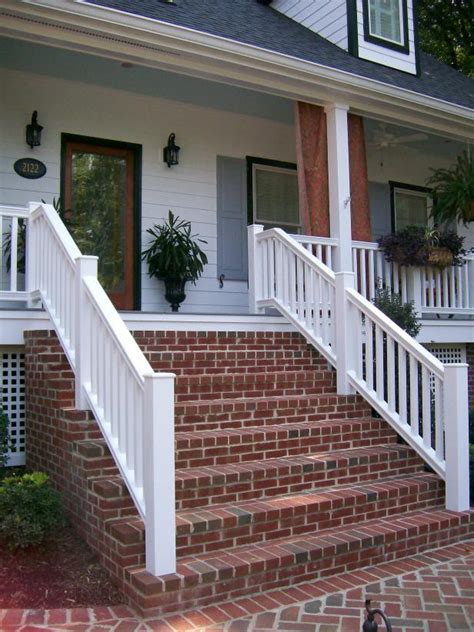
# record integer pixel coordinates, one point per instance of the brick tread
(257, 479)
(292, 560)
(212, 447)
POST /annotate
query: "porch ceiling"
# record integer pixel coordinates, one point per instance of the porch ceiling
(65, 64)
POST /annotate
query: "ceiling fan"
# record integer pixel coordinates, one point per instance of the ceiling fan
(383, 138)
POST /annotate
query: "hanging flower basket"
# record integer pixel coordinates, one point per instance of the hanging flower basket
(440, 257)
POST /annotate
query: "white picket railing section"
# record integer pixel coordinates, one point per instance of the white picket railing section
(133, 406)
(13, 285)
(448, 290)
(425, 401)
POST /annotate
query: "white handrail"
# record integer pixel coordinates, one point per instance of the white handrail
(132, 404)
(406, 384)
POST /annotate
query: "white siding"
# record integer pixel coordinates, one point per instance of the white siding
(326, 17)
(385, 56)
(188, 189)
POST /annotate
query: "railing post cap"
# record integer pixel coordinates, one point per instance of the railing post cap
(159, 376)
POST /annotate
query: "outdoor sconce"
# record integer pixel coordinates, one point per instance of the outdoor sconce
(171, 152)
(33, 131)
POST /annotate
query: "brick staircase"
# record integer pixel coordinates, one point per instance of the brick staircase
(278, 479)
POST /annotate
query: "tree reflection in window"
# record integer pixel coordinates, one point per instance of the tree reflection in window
(98, 205)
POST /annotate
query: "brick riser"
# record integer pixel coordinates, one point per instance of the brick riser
(240, 385)
(293, 505)
(202, 353)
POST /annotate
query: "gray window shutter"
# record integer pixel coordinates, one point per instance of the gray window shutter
(380, 211)
(232, 218)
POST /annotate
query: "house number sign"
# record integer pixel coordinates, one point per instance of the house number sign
(30, 168)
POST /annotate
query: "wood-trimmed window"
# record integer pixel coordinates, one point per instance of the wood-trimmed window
(386, 23)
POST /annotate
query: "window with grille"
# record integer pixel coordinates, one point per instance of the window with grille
(12, 395)
(386, 24)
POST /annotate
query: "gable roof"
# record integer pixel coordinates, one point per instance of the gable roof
(251, 22)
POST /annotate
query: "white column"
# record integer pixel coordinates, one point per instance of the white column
(159, 474)
(255, 272)
(86, 266)
(339, 184)
(456, 423)
(344, 333)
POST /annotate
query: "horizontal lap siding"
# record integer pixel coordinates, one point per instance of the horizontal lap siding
(326, 17)
(189, 189)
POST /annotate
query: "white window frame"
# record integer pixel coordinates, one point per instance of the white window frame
(401, 25)
(263, 167)
(417, 193)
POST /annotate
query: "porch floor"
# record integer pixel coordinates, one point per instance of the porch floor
(430, 592)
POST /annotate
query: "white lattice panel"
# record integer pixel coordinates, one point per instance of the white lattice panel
(13, 402)
(448, 353)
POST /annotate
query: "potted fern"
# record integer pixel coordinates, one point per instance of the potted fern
(175, 257)
(453, 191)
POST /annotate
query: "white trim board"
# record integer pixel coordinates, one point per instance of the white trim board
(14, 322)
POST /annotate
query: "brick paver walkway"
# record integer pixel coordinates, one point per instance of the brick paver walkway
(432, 592)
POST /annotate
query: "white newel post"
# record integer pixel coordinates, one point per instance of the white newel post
(415, 287)
(31, 263)
(159, 474)
(339, 184)
(86, 266)
(456, 420)
(255, 272)
(344, 332)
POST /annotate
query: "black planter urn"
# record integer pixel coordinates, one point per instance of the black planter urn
(174, 292)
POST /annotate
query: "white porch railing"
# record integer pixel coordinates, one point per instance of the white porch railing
(433, 290)
(133, 406)
(13, 222)
(423, 400)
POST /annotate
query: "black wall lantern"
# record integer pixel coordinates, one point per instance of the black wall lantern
(171, 152)
(33, 131)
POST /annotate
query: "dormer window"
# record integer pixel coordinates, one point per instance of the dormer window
(386, 24)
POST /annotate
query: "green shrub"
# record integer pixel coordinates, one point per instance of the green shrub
(4, 438)
(29, 509)
(403, 314)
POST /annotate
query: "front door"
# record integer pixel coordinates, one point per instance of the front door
(100, 198)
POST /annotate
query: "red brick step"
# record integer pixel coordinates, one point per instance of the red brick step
(268, 384)
(258, 411)
(226, 526)
(198, 487)
(217, 576)
(215, 447)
